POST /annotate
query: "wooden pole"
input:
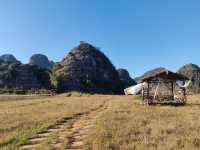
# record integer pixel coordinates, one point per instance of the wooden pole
(172, 88)
(143, 94)
(148, 100)
(184, 94)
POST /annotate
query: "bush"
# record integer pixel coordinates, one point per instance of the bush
(55, 80)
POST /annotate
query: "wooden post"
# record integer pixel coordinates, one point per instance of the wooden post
(184, 94)
(148, 100)
(143, 94)
(172, 88)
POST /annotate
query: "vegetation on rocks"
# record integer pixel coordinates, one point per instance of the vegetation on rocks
(87, 69)
(42, 76)
(55, 80)
(14, 75)
(8, 74)
(84, 69)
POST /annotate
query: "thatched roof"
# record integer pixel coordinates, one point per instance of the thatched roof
(162, 73)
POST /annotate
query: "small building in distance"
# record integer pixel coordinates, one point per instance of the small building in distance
(163, 87)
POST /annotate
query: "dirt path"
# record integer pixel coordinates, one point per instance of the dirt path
(69, 133)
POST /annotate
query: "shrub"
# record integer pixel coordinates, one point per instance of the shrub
(55, 80)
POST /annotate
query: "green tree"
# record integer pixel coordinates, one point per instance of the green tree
(55, 80)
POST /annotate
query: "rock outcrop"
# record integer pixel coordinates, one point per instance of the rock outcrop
(192, 71)
(125, 78)
(9, 58)
(7, 74)
(32, 77)
(149, 73)
(87, 69)
(41, 61)
(25, 77)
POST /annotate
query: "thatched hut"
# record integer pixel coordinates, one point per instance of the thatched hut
(161, 87)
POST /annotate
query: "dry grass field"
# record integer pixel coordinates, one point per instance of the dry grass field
(131, 126)
(126, 125)
(23, 116)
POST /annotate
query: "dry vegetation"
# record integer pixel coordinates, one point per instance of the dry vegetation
(130, 126)
(21, 117)
(127, 126)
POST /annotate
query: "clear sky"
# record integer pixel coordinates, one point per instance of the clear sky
(135, 34)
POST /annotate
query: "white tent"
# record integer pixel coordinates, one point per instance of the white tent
(134, 90)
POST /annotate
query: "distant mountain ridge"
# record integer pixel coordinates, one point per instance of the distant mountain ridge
(84, 69)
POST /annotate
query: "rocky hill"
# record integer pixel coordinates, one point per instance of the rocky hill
(14, 75)
(9, 58)
(87, 69)
(148, 73)
(7, 74)
(41, 61)
(32, 77)
(125, 78)
(192, 71)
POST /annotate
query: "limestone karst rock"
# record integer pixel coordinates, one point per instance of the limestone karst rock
(192, 71)
(125, 78)
(41, 61)
(32, 77)
(87, 69)
(149, 73)
(14, 75)
(7, 74)
(8, 58)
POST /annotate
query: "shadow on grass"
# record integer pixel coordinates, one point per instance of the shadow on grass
(174, 104)
(191, 105)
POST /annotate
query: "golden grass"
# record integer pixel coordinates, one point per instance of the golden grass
(21, 117)
(131, 126)
(126, 126)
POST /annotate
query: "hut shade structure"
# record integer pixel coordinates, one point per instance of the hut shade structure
(161, 87)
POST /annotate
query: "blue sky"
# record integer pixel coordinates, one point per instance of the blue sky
(135, 34)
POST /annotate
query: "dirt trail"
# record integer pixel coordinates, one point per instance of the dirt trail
(69, 133)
